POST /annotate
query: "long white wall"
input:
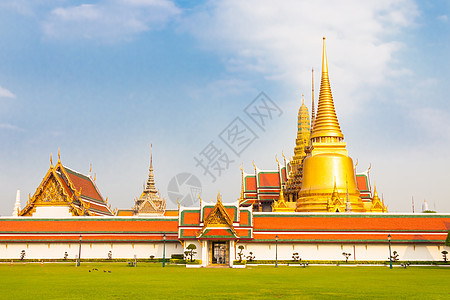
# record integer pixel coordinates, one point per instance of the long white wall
(261, 251)
(88, 250)
(323, 251)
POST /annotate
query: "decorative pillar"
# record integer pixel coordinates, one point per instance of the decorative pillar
(232, 252)
(204, 248)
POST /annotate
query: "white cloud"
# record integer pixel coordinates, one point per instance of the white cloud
(283, 40)
(432, 121)
(222, 88)
(5, 93)
(109, 21)
(10, 127)
(443, 18)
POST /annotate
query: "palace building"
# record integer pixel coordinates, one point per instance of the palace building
(63, 193)
(315, 205)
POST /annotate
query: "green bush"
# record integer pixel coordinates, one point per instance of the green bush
(195, 262)
(177, 256)
(177, 261)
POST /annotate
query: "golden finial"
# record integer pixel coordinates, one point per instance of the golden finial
(375, 194)
(219, 198)
(356, 163)
(326, 123)
(254, 165)
(59, 157)
(303, 99)
(95, 176)
(90, 169)
(281, 197)
(284, 158)
(51, 161)
(106, 200)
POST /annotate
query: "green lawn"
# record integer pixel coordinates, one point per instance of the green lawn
(152, 281)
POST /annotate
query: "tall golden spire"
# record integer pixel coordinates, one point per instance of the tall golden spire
(327, 168)
(326, 123)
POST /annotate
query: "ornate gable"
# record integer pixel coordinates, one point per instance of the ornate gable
(335, 204)
(218, 217)
(56, 189)
(377, 205)
(281, 204)
(147, 207)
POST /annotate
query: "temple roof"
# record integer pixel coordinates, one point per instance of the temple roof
(62, 186)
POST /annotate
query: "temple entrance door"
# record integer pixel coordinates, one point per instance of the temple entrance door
(219, 253)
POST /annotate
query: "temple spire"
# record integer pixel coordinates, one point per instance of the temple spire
(151, 179)
(16, 205)
(326, 123)
(242, 184)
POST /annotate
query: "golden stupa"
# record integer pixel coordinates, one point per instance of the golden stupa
(294, 182)
(328, 171)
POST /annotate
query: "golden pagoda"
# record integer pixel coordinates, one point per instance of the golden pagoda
(294, 182)
(327, 169)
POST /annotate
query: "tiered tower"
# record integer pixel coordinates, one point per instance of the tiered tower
(327, 168)
(150, 202)
(294, 182)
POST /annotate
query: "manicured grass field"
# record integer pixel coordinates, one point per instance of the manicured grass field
(147, 280)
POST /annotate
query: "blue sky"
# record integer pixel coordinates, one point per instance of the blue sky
(101, 80)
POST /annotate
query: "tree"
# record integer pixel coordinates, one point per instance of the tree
(296, 256)
(250, 257)
(22, 254)
(240, 253)
(110, 254)
(447, 241)
(66, 255)
(394, 256)
(444, 255)
(191, 251)
(347, 255)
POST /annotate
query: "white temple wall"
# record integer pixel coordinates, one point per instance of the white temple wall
(88, 250)
(261, 251)
(378, 252)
